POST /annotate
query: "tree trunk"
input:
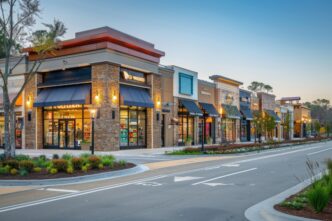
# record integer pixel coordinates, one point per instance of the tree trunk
(6, 108)
(12, 132)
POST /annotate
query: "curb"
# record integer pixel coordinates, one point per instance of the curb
(265, 210)
(76, 180)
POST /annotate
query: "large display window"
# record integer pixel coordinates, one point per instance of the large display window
(209, 137)
(66, 126)
(132, 127)
(18, 131)
(228, 130)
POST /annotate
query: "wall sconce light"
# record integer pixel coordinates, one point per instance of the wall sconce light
(114, 97)
(97, 97)
(29, 102)
(220, 111)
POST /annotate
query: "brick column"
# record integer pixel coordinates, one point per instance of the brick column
(33, 128)
(105, 83)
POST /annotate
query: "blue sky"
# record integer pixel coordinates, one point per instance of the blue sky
(284, 43)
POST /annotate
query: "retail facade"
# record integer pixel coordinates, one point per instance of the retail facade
(227, 92)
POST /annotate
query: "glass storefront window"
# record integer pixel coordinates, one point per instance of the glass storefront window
(186, 128)
(18, 131)
(67, 127)
(132, 127)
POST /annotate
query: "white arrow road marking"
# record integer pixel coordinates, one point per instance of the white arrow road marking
(219, 184)
(230, 165)
(212, 168)
(59, 190)
(227, 175)
(149, 184)
(185, 178)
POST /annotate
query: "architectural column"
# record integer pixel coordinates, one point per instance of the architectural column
(105, 97)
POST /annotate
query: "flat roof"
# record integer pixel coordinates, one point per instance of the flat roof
(223, 78)
(105, 38)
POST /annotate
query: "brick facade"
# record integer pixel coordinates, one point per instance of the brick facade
(105, 84)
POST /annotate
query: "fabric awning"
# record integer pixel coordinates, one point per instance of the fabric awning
(135, 96)
(209, 109)
(271, 113)
(246, 113)
(191, 107)
(231, 111)
(78, 94)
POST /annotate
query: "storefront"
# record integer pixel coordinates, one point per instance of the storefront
(231, 115)
(18, 130)
(64, 98)
(207, 123)
(66, 126)
(245, 128)
(135, 102)
(277, 120)
(187, 111)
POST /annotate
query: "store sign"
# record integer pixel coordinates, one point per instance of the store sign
(130, 75)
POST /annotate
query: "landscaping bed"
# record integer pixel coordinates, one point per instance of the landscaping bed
(314, 202)
(241, 148)
(23, 167)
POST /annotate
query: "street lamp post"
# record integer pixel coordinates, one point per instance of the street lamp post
(93, 113)
(203, 134)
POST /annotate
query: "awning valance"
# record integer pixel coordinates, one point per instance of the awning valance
(271, 113)
(246, 113)
(231, 111)
(78, 94)
(135, 96)
(191, 107)
(209, 109)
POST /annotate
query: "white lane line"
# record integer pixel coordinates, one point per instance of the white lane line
(223, 176)
(276, 155)
(230, 165)
(185, 178)
(61, 190)
(72, 195)
(313, 153)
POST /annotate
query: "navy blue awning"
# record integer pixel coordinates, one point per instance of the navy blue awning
(231, 111)
(191, 107)
(135, 96)
(246, 113)
(209, 109)
(78, 94)
(271, 113)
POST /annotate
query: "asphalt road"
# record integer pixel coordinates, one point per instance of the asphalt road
(215, 190)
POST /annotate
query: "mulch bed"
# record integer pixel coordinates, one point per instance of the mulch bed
(44, 175)
(307, 211)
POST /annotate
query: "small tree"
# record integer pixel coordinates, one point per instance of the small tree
(317, 127)
(258, 122)
(270, 125)
(287, 125)
(16, 18)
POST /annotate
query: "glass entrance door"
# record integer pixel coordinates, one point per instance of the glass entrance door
(66, 133)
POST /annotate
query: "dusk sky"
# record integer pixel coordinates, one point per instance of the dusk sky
(284, 43)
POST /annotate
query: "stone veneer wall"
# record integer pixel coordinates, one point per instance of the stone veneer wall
(153, 138)
(33, 128)
(105, 83)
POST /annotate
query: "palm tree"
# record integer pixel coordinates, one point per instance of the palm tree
(268, 88)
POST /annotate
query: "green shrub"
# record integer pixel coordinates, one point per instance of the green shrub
(23, 172)
(122, 162)
(293, 205)
(13, 171)
(329, 166)
(94, 161)
(77, 163)
(67, 157)
(53, 171)
(101, 166)
(318, 197)
(60, 164)
(55, 156)
(2, 157)
(26, 165)
(70, 170)
(4, 170)
(37, 169)
(11, 163)
(85, 155)
(107, 161)
(21, 157)
(85, 169)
